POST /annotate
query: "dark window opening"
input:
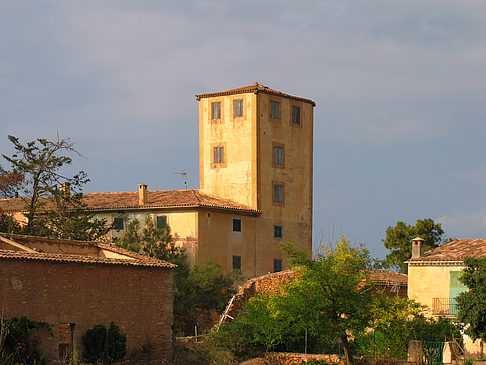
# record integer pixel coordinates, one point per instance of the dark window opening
(118, 224)
(277, 265)
(238, 108)
(236, 225)
(296, 114)
(278, 193)
(274, 109)
(236, 262)
(277, 231)
(161, 221)
(278, 156)
(216, 110)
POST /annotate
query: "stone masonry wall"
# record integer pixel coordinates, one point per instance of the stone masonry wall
(137, 299)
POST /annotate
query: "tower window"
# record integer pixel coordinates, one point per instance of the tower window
(218, 154)
(296, 114)
(216, 110)
(236, 262)
(277, 265)
(278, 193)
(118, 224)
(277, 231)
(274, 109)
(237, 108)
(278, 155)
(161, 221)
(236, 225)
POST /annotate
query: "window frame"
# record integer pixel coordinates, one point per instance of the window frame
(237, 225)
(277, 265)
(278, 110)
(237, 262)
(241, 109)
(276, 228)
(213, 110)
(215, 164)
(117, 223)
(161, 225)
(274, 162)
(281, 200)
(292, 120)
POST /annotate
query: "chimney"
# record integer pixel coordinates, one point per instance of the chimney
(142, 194)
(65, 188)
(417, 247)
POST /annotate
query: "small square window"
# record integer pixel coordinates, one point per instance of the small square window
(236, 225)
(161, 221)
(278, 193)
(296, 114)
(216, 110)
(277, 265)
(277, 231)
(274, 109)
(236, 262)
(218, 154)
(118, 224)
(278, 156)
(237, 108)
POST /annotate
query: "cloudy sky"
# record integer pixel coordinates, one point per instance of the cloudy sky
(400, 88)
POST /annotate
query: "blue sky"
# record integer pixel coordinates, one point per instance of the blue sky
(400, 88)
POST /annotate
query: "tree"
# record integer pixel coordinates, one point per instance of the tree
(472, 304)
(332, 296)
(36, 176)
(197, 290)
(398, 241)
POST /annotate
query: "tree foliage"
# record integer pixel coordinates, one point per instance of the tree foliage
(107, 346)
(398, 241)
(36, 176)
(472, 304)
(197, 290)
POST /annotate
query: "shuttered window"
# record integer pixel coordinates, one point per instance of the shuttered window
(216, 110)
(218, 154)
(274, 109)
(296, 114)
(278, 156)
(238, 108)
(278, 193)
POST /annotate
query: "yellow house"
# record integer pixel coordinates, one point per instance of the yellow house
(433, 277)
(256, 172)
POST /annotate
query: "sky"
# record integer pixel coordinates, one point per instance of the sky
(399, 86)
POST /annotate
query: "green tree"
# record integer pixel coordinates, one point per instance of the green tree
(398, 241)
(36, 176)
(472, 304)
(331, 298)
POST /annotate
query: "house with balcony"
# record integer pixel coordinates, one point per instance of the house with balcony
(433, 277)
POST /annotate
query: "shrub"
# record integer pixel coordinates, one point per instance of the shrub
(102, 345)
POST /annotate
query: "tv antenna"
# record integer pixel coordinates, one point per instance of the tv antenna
(183, 175)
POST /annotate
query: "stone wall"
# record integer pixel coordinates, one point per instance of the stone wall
(138, 299)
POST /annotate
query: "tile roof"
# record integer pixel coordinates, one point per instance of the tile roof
(133, 258)
(155, 199)
(387, 276)
(22, 255)
(454, 251)
(254, 88)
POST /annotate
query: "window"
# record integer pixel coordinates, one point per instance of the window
(118, 224)
(277, 231)
(236, 225)
(278, 193)
(296, 114)
(277, 265)
(278, 156)
(274, 109)
(216, 110)
(161, 221)
(236, 262)
(237, 108)
(218, 154)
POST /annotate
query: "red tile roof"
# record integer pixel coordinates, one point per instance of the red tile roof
(155, 199)
(387, 276)
(454, 251)
(21, 255)
(254, 88)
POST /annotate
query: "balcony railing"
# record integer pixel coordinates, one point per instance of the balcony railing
(444, 307)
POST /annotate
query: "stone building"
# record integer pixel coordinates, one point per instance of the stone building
(73, 285)
(256, 173)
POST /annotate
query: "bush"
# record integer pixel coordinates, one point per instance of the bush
(102, 345)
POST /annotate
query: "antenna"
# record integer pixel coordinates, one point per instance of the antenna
(183, 175)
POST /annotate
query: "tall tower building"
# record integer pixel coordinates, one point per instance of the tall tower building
(256, 148)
